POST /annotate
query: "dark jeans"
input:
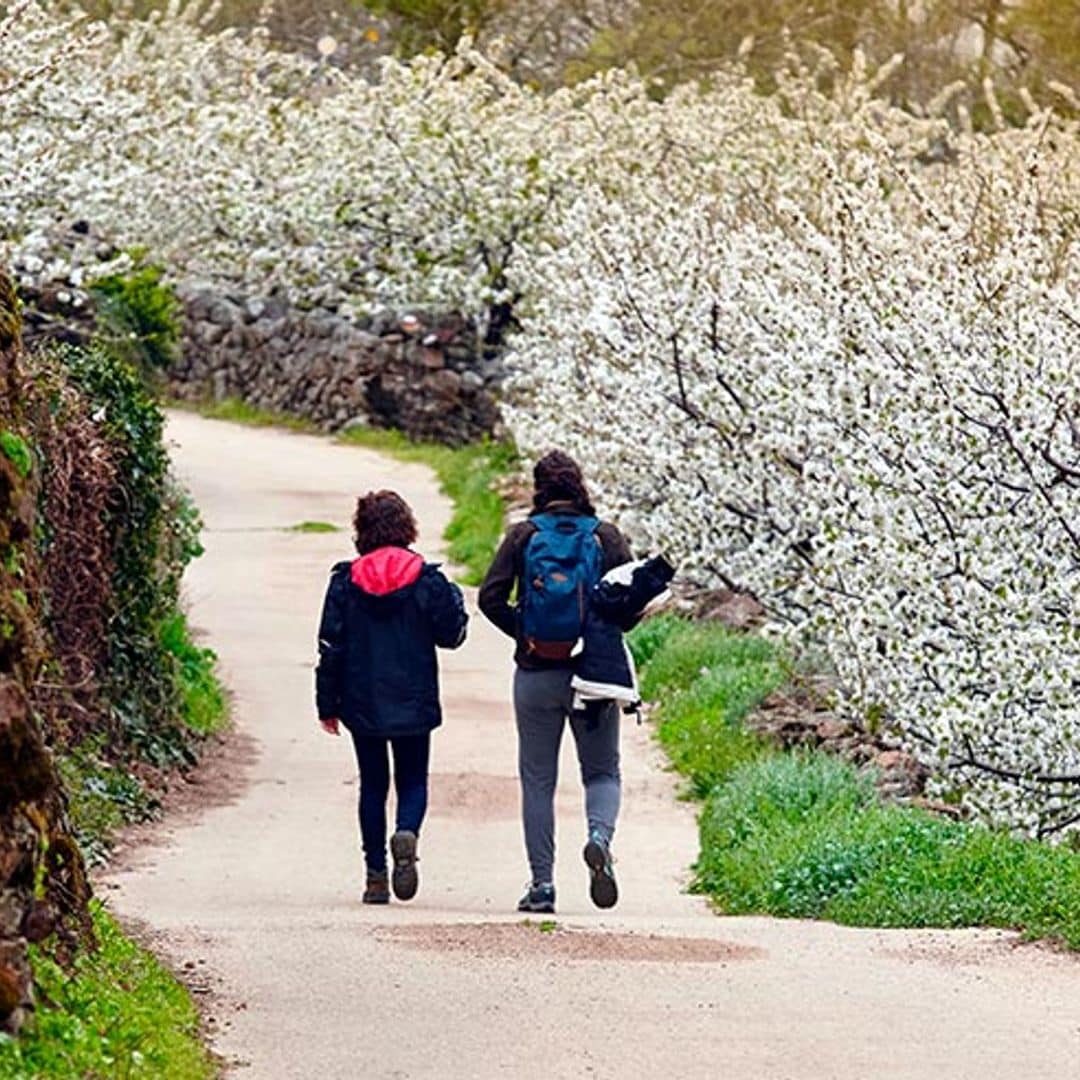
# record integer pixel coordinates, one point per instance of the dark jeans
(411, 755)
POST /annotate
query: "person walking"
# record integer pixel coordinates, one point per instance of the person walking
(384, 614)
(548, 563)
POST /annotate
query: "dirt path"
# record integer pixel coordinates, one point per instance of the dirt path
(260, 898)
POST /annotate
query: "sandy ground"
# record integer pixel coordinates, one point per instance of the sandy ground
(256, 902)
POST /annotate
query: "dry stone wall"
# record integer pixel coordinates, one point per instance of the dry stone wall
(424, 374)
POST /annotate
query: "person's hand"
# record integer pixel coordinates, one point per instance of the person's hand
(330, 725)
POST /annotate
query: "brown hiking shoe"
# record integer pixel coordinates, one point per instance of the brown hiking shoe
(378, 888)
(405, 879)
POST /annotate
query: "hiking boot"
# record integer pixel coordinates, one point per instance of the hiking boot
(405, 879)
(538, 900)
(378, 888)
(602, 887)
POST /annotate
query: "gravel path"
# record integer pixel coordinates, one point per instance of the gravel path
(256, 902)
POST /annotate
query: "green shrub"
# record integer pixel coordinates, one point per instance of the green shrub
(971, 876)
(117, 1013)
(138, 318)
(204, 706)
(650, 636)
(154, 533)
(103, 796)
(690, 650)
(805, 835)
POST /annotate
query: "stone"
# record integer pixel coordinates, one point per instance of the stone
(14, 992)
(892, 759)
(321, 326)
(335, 369)
(444, 383)
(39, 921)
(224, 313)
(209, 333)
(363, 341)
(831, 729)
(382, 322)
(459, 353)
(738, 610)
(935, 806)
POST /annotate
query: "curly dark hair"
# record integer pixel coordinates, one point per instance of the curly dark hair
(382, 519)
(557, 477)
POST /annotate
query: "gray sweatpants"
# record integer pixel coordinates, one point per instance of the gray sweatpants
(542, 702)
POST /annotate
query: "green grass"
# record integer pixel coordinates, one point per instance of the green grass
(117, 1013)
(466, 475)
(313, 527)
(204, 706)
(805, 834)
(240, 412)
(708, 679)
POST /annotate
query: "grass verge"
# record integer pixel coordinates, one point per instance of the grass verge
(805, 834)
(240, 412)
(116, 1013)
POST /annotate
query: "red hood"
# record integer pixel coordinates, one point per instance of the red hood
(386, 570)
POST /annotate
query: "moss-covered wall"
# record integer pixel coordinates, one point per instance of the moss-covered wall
(42, 884)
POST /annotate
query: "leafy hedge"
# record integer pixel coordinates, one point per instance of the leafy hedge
(154, 533)
(117, 532)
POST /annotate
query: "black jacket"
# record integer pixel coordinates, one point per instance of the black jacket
(604, 670)
(503, 580)
(383, 617)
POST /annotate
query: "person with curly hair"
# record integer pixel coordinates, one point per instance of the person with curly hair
(384, 615)
(547, 564)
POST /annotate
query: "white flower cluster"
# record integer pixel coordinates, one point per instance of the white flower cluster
(818, 365)
(815, 347)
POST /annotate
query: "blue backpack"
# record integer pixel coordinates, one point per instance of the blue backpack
(563, 561)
